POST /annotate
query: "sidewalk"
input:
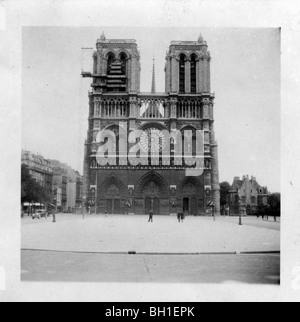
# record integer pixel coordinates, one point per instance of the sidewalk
(121, 234)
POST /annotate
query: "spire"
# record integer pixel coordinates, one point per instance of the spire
(200, 39)
(103, 38)
(153, 90)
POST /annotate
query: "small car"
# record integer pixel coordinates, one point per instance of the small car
(40, 214)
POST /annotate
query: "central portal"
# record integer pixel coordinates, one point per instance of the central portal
(152, 204)
(113, 206)
(153, 194)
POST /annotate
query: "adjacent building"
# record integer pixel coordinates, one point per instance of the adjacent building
(62, 182)
(247, 193)
(39, 168)
(68, 186)
(79, 190)
(163, 185)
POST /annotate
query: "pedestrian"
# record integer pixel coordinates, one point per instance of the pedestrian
(178, 216)
(106, 213)
(227, 211)
(223, 211)
(150, 216)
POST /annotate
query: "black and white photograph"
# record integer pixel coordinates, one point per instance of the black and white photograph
(150, 155)
(177, 127)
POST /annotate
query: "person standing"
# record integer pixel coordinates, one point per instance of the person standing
(106, 213)
(179, 216)
(150, 216)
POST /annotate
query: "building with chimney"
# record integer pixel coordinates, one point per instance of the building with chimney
(246, 192)
(154, 127)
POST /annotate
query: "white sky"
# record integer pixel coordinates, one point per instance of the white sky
(245, 75)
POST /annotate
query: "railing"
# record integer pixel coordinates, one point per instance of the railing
(111, 108)
(157, 163)
(150, 106)
(189, 109)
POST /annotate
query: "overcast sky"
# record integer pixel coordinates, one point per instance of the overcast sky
(245, 76)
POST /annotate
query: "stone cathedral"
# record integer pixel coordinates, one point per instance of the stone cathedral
(157, 184)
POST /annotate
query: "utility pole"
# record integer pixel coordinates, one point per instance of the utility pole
(96, 193)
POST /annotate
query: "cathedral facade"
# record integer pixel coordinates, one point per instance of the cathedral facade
(147, 125)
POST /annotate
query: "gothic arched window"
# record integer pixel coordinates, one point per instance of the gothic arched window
(193, 74)
(110, 60)
(189, 141)
(182, 73)
(123, 58)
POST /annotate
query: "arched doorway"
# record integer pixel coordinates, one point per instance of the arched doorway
(190, 195)
(152, 204)
(112, 197)
(152, 194)
(113, 200)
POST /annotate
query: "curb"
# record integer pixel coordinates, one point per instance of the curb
(261, 252)
(154, 253)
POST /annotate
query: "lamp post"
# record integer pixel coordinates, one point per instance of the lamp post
(213, 211)
(96, 195)
(240, 212)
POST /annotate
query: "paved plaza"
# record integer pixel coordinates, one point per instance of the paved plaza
(121, 234)
(113, 268)
(199, 250)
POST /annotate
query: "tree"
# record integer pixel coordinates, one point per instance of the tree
(274, 200)
(224, 191)
(32, 191)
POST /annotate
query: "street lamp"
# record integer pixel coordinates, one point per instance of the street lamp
(240, 212)
(213, 211)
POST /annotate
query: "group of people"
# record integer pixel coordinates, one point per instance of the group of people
(180, 216)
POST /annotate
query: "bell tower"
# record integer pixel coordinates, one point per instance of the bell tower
(187, 81)
(188, 67)
(116, 66)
